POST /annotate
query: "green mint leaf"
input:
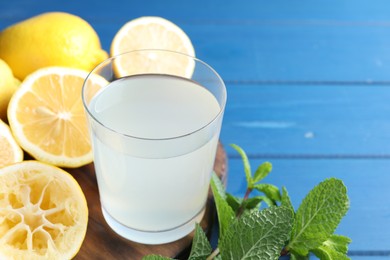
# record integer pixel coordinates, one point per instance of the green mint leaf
(335, 248)
(286, 201)
(156, 257)
(298, 257)
(271, 191)
(250, 203)
(267, 200)
(225, 213)
(253, 203)
(318, 216)
(328, 253)
(219, 187)
(233, 201)
(257, 235)
(200, 245)
(247, 166)
(262, 171)
(338, 243)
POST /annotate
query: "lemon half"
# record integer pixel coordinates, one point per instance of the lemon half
(10, 151)
(43, 212)
(150, 32)
(8, 86)
(47, 117)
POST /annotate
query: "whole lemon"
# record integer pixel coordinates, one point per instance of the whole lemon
(50, 39)
(8, 85)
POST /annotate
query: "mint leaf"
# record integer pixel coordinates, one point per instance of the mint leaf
(338, 243)
(233, 201)
(200, 245)
(218, 186)
(269, 202)
(298, 257)
(271, 191)
(250, 203)
(156, 257)
(253, 203)
(286, 201)
(318, 216)
(262, 171)
(225, 213)
(257, 235)
(245, 161)
(328, 253)
(335, 248)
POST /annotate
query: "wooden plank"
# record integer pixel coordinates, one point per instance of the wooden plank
(300, 120)
(262, 44)
(368, 219)
(294, 52)
(285, 52)
(212, 10)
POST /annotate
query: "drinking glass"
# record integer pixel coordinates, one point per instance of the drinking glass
(155, 118)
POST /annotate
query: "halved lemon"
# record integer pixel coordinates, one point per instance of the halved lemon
(43, 212)
(8, 85)
(151, 32)
(47, 117)
(10, 151)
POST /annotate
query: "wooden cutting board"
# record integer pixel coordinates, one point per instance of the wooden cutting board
(102, 243)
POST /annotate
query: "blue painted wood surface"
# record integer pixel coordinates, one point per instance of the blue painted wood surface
(308, 89)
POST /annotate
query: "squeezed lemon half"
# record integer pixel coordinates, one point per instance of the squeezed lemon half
(43, 212)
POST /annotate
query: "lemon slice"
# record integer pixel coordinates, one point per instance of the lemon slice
(43, 212)
(47, 117)
(10, 151)
(153, 33)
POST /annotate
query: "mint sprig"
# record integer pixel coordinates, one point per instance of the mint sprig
(225, 212)
(249, 230)
(201, 247)
(257, 234)
(334, 247)
(318, 216)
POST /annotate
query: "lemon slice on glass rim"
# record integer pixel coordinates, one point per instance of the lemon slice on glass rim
(153, 33)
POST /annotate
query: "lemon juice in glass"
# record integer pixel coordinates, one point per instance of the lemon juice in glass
(155, 125)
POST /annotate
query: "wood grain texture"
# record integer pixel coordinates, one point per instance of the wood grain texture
(101, 242)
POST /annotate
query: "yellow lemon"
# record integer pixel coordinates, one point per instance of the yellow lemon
(50, 39)
(43, 212)
(47, 117)
(10, 151)
(151, 32)
(8, 85)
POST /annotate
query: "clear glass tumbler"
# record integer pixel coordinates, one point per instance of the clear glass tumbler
(155, 118)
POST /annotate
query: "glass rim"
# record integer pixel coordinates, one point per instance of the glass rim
(110, 59)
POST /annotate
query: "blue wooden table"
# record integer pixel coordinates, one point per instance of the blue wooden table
(308, 89)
